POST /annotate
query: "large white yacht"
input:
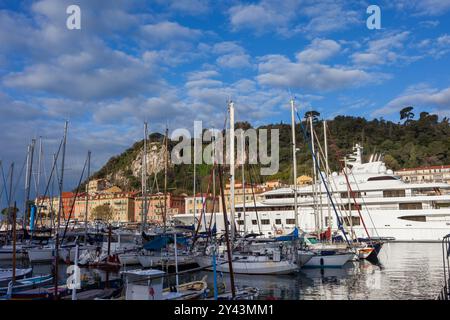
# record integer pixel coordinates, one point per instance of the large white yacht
(389, 207)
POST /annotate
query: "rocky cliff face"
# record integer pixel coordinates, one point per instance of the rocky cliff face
(125, 170)
(155, 160)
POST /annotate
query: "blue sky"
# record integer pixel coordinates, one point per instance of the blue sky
(178, 61)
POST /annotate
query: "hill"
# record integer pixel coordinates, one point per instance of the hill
(410, 143)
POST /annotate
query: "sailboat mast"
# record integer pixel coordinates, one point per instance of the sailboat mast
(60, 210)
(87, 199)
(328, 173)
(294, 162)
(232, 177)
(28, 182)
(314, 171)
(10, 194)
(227, 238)
(144, 181)
(195, 176)
(14, 242)
(165, 178)
(243, 179)
(38, 180)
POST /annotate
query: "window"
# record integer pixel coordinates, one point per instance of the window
(381, 178)
(414, 218)
(290, 221)
(356, 221)
(393, 193)
(240, 222)
(277, 221)
(352, 206)
(353, 194)
(254, 222)
(265, 221)
(410, 206)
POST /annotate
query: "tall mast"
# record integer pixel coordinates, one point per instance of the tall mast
(87, 198)
(232, 178)
(165, 178)
(328, 173)
(28, 181)
(14, 242)
(243, 179)
(60, 210)
(144, 181)
(314, 171)
(38, 180)
(195, 176)
(10, 194)
(227, 239)
(294, 162)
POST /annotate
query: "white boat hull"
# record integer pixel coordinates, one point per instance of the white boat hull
(130, 258)
(329, 261)
(41, 254)
(254, 267)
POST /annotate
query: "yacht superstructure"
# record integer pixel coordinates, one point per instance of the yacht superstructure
(391, 208)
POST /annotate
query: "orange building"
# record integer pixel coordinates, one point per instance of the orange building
(155, 203)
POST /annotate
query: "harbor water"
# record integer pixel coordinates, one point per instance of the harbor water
(405, 271)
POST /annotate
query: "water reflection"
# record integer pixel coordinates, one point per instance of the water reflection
(404, 271)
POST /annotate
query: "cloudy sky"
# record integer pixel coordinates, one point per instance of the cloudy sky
(174, 61)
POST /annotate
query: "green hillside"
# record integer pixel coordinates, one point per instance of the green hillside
(409, 143)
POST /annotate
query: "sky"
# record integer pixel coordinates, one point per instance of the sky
(171, 62)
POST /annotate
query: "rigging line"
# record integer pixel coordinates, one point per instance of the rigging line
(321, 176)
(74, 200)
(365, 204)
(18, 179)
(203, 212)
(328, 173)
(357, 186)
(254, 203)
(356, 205)
(50, 180)
(5, 184)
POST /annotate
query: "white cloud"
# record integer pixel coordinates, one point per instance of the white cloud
(319, 50)
(419, 96)
(232, 55)
(386, 49)
(329, 16)
(168, 32)
(279, 71)
(97, 74)
(423, 7)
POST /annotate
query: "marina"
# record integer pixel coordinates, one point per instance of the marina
(405, 272)
(226, 153)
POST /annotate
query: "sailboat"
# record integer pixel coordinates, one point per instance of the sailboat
(6, 275)
(273, 260)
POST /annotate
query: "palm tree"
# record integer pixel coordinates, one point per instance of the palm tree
(406, 113)
(314, 114)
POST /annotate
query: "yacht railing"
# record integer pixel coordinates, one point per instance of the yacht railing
(445, 293)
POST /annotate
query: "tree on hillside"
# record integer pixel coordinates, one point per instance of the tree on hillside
(7, 211)
(314, 114)
(103, 212)
(407, 114)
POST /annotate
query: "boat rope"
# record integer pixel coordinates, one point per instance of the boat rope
(50, 181)
(74, 200)
(340, 225)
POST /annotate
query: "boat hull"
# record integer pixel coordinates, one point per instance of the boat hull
(337, 260)
(41, 254)
(242, 267)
